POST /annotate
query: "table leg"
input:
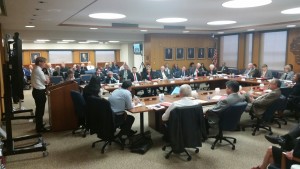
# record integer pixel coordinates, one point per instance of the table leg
(142, 123)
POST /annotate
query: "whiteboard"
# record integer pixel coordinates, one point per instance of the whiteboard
(105, 56)
(60, 57)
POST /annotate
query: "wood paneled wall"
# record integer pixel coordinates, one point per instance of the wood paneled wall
(292, 34)
(76, 55)
(155, 45)
(2, 59)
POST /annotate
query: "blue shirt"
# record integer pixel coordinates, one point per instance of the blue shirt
(120, 100)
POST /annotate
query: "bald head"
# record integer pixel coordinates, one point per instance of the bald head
(185, 90)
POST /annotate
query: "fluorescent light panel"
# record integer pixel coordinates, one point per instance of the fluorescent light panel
(291, 11)
(29, 26)
(171, 20)
(245, 3)
(225, 22)
(107, 16)
(113, 41)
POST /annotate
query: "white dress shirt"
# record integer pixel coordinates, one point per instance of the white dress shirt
(38, 78)
(90, 67)
(185, 101)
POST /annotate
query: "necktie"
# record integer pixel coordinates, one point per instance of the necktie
(149, 76)
(183, 73)
(135, 77)
(285, 76)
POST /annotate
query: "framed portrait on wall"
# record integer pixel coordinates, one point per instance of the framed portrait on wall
(210, 53)
(190, 53)
(200, 53)
(34, 55)
(168, 54)
(179, 53)
(84, 57)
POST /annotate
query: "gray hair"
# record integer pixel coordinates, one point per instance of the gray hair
(186, 90)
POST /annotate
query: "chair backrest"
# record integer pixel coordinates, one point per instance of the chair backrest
(100, 118)
(79, 104)
(86, 77)
(77, 80)
(186, 127)
(286, 91)
(230, 117)
(56, 79)
(269, 113)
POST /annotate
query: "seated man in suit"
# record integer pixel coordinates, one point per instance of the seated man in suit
(175, 69)
(148, 76)
(211, 71)
(78, 71)
(255, 72)
(260, 104)
(99, 74)
(198, 71)
(265, 73)
(223, 68)
(182, 73)
(57, 72)
(124, 74)
(288, 73)
(232, 87)
(110, 78)
(248, 72)
(164, 75)
(106, 69)
(121, 100)
(134, 76)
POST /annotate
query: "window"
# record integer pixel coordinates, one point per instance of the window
(273, 49)
(248, 48)
(105, 56)
(229, 50)
(60, 57)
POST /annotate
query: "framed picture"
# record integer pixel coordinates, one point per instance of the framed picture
(190, 53)
(168, 54)
(210, 52)
(200, 53)
(34, 55)
(84, 57)
(179, 53)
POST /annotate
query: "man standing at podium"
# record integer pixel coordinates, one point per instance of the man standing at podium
(38, 82)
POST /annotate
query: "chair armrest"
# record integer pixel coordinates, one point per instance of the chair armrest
(283, 160)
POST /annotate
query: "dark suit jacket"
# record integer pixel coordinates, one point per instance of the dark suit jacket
(186, 127)
(55, 73)
(199, 72)
(255, 73)
(138, 76)
(260, 104)
(296, 89)
(223, 69)
(231, 99)
(109, 80)
(77, 73)
(159, 75)
(208, 73)
(180, 73)
(268, 74)
(121, 74)
(147, 77)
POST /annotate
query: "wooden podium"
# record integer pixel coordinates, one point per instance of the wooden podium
(61, 110)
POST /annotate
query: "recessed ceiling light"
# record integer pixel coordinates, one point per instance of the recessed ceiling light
(107, 16)
(39, 42)
(61, 42)
(185, 31)
(144, 30)
(29, 26)
(68, 40)
(42, 40)
(250, 30)
(113, 41)
(94, 28)
(92, 41)
(171, 20)
(291, 11)
(245, 3)
(83, 42)
(291, 26)
(221, 22)
(220, 32)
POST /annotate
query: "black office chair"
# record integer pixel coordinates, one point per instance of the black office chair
(293, 103)
(186, 129)
(267, 117)
(229, 120)
(56, 79)
(279, 116)
(100, 121)
(86, 78)
(80, 110)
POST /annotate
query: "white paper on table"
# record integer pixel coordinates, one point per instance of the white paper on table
(216, 97)
(155, 106)
(201, 101)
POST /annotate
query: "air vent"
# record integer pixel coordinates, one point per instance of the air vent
(124, 25)
(174, 27)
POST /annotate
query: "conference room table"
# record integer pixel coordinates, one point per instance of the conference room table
(213, 81)
(155, 107)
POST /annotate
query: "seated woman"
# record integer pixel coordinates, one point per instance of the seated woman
(93, 88)
(70, 75)
(273, 156)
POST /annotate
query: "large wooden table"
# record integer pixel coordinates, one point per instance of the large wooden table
(154, 116)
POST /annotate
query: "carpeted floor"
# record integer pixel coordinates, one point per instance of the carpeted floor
(74, 152)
